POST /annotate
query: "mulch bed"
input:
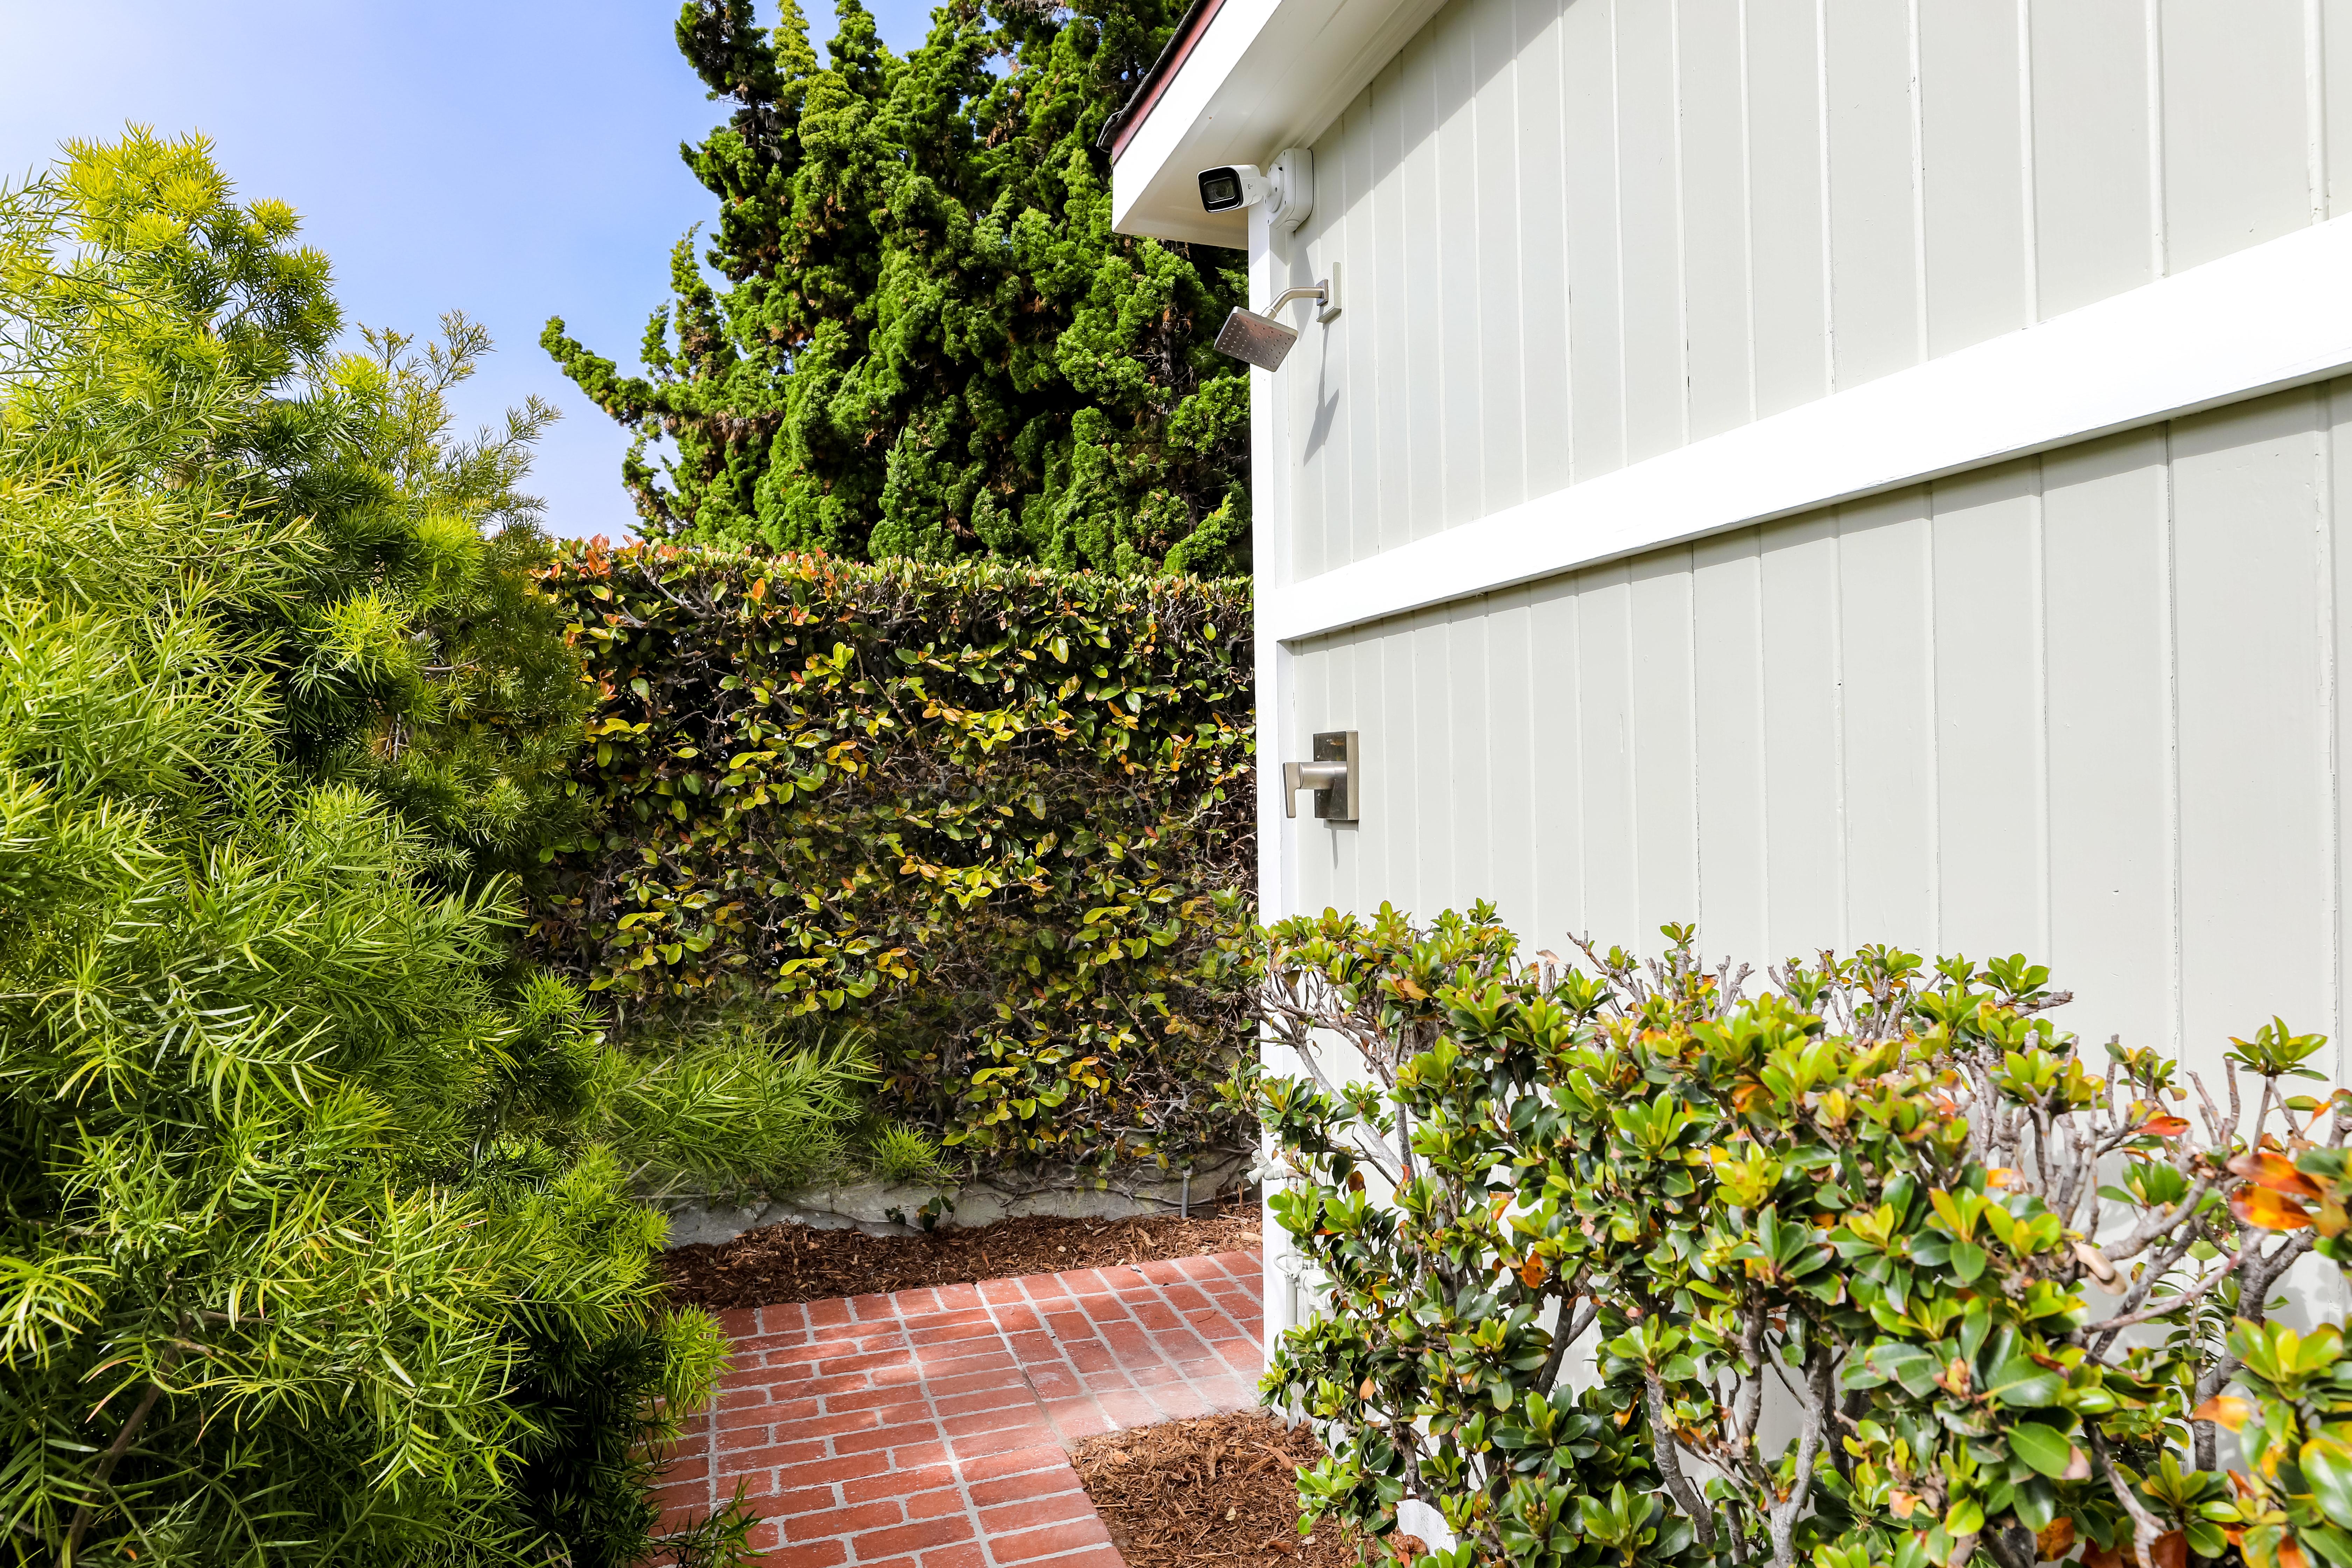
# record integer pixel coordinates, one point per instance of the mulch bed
(781, 1263)
(1218, 1489)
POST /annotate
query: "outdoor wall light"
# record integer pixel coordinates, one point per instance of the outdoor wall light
(1260, 340)
(1335, 775)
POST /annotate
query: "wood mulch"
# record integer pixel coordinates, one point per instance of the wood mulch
(780, 1263)
(1219, 1489)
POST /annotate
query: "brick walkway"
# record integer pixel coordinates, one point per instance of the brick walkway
(930, 1428)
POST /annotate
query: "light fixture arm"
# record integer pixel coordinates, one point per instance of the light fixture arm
(1318, 292)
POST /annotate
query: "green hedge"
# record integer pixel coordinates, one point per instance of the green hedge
(1004, 817)
(1894, 1200)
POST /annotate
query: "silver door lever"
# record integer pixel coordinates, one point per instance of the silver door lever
(1332, 775)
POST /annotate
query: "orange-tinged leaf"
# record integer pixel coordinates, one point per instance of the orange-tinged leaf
(1403, 982)
(2290, 1555)
(1532, 1272)
(2171, 1550)
(2266, 1210)
(2275, 1172)
(2226, 1410)
(1903, 1503)
(2164, 1126)
(1746, 1095)
(2000, 1176)
(2102, 1557)
(2055, 1539)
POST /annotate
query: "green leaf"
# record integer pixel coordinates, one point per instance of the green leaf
(2023, 1382)
(1909, 1365)
(2047, 1449)
(2327, 1466)
(1968, 1260)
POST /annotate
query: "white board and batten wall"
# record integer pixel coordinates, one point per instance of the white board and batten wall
(1570, 510)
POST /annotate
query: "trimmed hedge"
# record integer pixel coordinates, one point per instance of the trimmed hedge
(1004, 817)
(1616, 1216)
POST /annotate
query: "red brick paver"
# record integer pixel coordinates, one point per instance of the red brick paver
(930, 1428)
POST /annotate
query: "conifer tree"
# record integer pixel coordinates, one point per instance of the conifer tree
(925, 339)
(319, 1240)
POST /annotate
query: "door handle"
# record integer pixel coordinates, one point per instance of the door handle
(1334, 775)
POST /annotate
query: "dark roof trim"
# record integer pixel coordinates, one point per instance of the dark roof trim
(1120, 128)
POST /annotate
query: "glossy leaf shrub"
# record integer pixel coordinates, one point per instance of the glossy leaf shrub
(1002, 816)
(1627, 1265)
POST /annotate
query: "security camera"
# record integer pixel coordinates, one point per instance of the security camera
(1287, 189)
(1234, 185)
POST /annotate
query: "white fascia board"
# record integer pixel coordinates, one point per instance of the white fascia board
(1266, 75)
(2275, 316)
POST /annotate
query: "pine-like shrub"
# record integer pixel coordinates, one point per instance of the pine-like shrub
(1001, 817)
(318, 1236)
(1624, 1264)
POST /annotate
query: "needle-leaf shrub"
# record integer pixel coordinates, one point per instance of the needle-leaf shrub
(1625, 1265)
(319, 1235)
(1002, 817)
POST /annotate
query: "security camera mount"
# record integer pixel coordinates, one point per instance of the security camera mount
(1287, 189)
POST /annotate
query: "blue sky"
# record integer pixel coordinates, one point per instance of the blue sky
(514, 158)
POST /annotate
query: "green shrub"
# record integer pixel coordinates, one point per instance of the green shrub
(1001, 817)
(1830, 1251)
(316, 1241)
(902, 1153)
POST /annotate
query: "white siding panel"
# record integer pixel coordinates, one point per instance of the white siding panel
(2094, 194)
(1595, 334)
(1556, 827)
(1804, 702)
(1451, 299)
(1988, 715)
(2236, 154)
(2337, 564)
(1502, 443)
(1542, 300)
(1421, 284)
(2253, 819)
(1886, 565)
(1509, 759)
(1787, 221)
(1971, 151)
(1728, 650)
(1388, 522)
(2105, 530)
(1714, 180)
(2335, 105)
(1359, 531)
(1666, 767)
(1874, 252)
(1470, 730)
(1613, 873)
(1392, 776)
(1649, 236)
(1435, 874)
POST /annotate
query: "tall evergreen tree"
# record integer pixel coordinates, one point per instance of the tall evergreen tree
(926, 340)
